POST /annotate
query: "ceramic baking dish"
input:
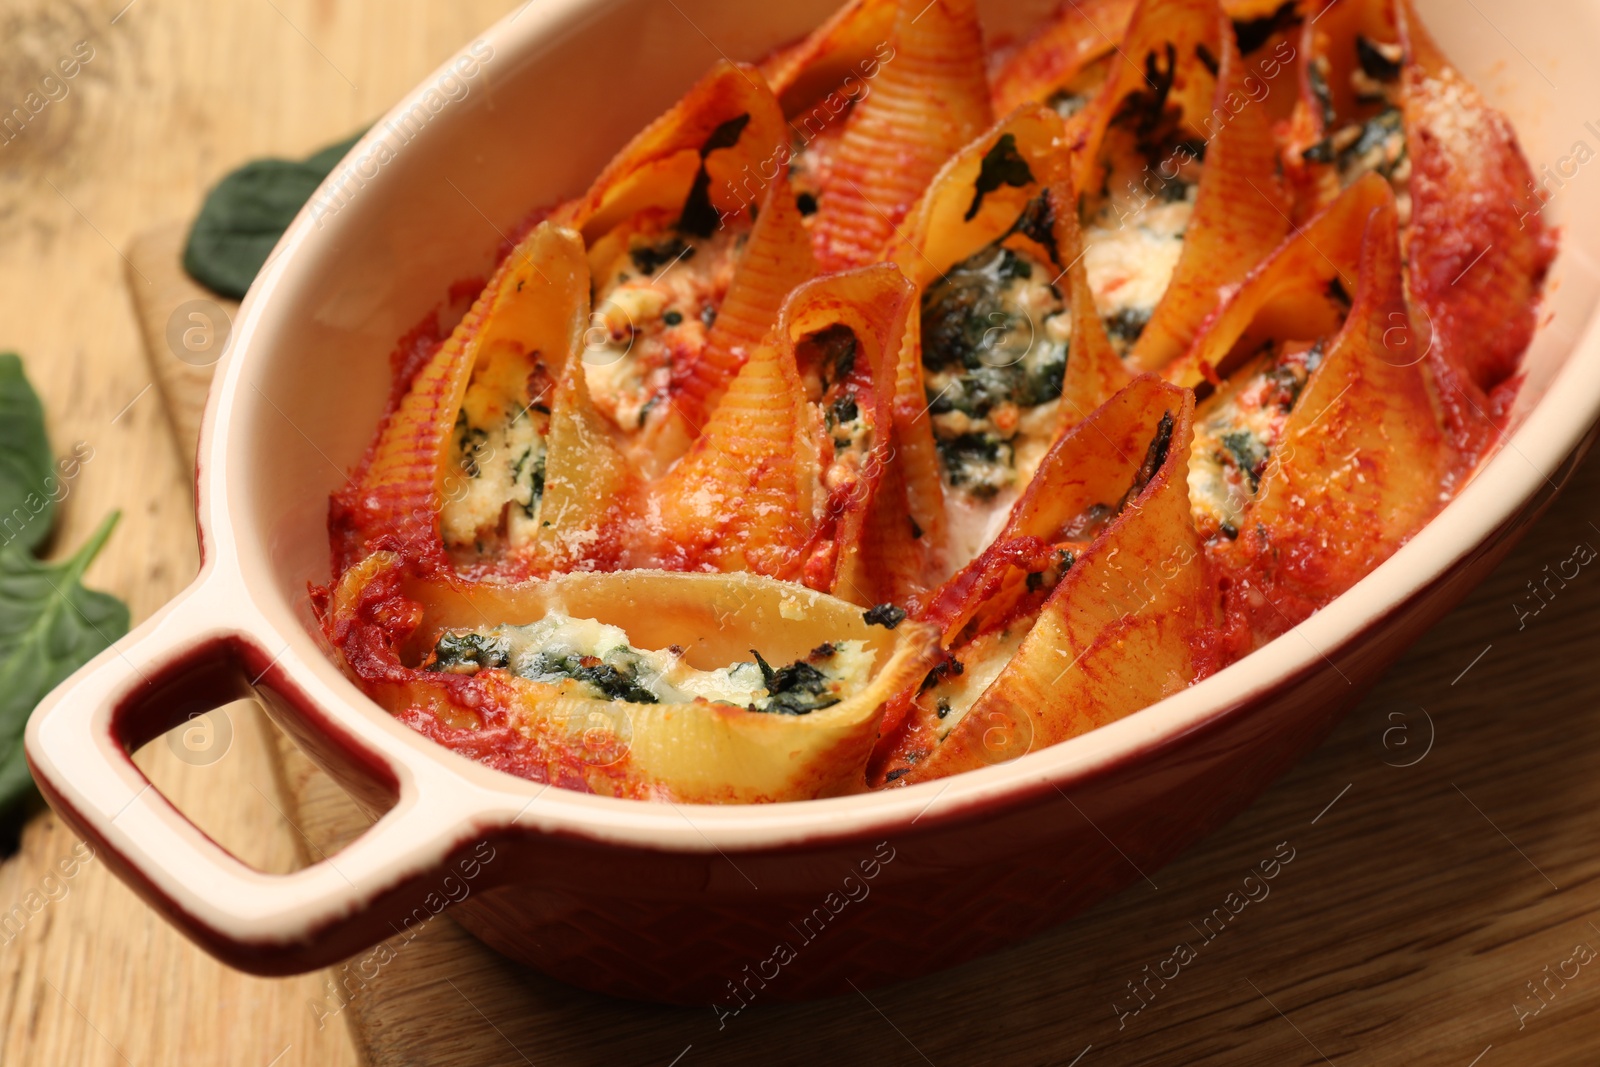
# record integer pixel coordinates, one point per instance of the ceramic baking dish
(675, 902)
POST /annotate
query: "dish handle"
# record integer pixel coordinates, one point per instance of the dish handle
(193, 656)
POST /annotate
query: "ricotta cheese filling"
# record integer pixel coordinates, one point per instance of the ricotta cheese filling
(995, 335)
(1236, 431)
(981, 662)
(653, 312)
(591, 659)
(1130, 257)
(494, 477)
(1374, 139)
(827, 364)
(1151, 162)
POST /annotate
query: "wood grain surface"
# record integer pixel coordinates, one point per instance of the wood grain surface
(1440, 905)
(175, 93)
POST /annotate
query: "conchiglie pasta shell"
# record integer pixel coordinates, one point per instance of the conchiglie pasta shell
(1241, 208)
(1282, 297)
(1077, 34)
(690, 753)
(1094, 373)
(591, 488)
(749, 494)
(949, 223)
(741, 498)
(1095, 462)
(1478, 248)
(1115, 636)
(851, 44)
(529, 310)
(891, 566)
(658, 167)
(1358, 468)
(873, 303)
(937, 235)
(930, 98)
(1155, 24)
(776, 259)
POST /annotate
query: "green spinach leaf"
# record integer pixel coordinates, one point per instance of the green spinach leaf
(50, 625)
(27, 469)
(244, 215)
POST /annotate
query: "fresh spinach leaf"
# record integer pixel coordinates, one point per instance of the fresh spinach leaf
(27, 469)
(50, 625)
(244, 215)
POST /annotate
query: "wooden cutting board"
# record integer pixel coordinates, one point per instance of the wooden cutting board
(1435, 896)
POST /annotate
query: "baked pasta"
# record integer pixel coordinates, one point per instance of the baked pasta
(899, 405)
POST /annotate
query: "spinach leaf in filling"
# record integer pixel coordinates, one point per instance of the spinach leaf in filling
(985, 346)
(468, 653)
(615, 677)
(798, 689)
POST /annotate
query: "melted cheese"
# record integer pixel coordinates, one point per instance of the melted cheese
(1134, 225)
(1130, 258)
(1236, 431)
(982, 661)
(495, 473)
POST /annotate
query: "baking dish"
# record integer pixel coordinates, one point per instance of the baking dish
(685, 903)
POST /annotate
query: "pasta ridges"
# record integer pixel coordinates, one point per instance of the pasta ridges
(776, 259)
(735, 499)
(1077, 34)
(767, 487)
(397, 496)
(847, 47)
(927, 101)
(407, 483)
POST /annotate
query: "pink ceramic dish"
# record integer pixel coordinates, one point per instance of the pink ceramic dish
(674, 902)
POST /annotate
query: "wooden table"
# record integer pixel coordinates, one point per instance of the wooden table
(176, 93)
(1444, 863)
